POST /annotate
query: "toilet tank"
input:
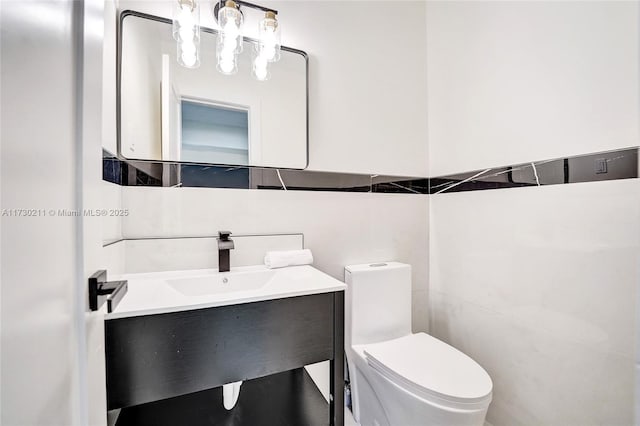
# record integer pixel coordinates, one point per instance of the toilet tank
(377, 302)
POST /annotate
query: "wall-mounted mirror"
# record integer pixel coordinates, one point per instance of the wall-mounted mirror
(171, 113)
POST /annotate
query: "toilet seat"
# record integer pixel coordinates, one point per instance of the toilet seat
(431, 370)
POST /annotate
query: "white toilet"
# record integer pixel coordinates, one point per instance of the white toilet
(399, 378)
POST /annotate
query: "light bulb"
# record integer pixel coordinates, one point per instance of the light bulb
(186, 20)
(188, 48)
(227, 62)
(230, 44)
(227, 55)
(227, 65)
(261, 73)
(269, 34)
(260, 61)
(261, 68)
(189, 58)
(269, 41)
(269, 52)
(230, 29)
(186, 31)
(230, 21)
(188, 54)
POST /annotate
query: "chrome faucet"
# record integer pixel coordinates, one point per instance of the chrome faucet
(224, 245)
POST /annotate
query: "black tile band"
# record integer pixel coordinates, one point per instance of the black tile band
(145, 173)
(611, 165)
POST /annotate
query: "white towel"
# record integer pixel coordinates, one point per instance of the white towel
(280, 259)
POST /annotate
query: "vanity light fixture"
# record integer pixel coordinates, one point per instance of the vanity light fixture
(268, 47)
(186, 31)
(269, 33)
(229, 43)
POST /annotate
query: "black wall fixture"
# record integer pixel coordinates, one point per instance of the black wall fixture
(101, 291)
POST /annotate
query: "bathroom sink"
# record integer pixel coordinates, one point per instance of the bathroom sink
(225, 282)
(174, 291)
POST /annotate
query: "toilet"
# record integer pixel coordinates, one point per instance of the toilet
(400, 378)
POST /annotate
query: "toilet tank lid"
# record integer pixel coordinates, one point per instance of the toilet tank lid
(376, 266)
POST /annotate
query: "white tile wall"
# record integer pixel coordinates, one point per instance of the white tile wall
(539, 286)
(111, 201)
(113, 255)
(540, 378)
(175, 254)
(530, 80)
(351, 126)
(113, 258)
(340, 228)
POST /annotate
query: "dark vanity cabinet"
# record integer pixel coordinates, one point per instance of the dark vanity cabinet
(167, 355)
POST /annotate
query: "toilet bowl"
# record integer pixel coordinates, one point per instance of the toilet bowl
(400, 378)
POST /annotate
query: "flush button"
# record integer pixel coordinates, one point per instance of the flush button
(376, 265)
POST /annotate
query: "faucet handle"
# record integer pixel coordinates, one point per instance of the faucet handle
(224, 235)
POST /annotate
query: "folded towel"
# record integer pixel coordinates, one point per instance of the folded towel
(280, 259)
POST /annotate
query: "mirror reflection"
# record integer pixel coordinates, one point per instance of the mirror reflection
(172, 113)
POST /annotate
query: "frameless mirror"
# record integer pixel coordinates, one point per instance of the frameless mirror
(171, 113)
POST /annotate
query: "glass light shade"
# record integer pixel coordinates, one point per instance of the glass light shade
(260, 68)
(230, 21)
(227, 62)
(186, 20)
(188, 53)
(269, 37)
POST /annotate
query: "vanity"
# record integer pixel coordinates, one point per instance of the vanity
(179, 333)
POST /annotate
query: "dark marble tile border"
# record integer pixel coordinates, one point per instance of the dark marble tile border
(148, 173)
(611, 165)
(601, 166)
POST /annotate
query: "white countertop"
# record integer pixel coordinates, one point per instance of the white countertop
(154, 293)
